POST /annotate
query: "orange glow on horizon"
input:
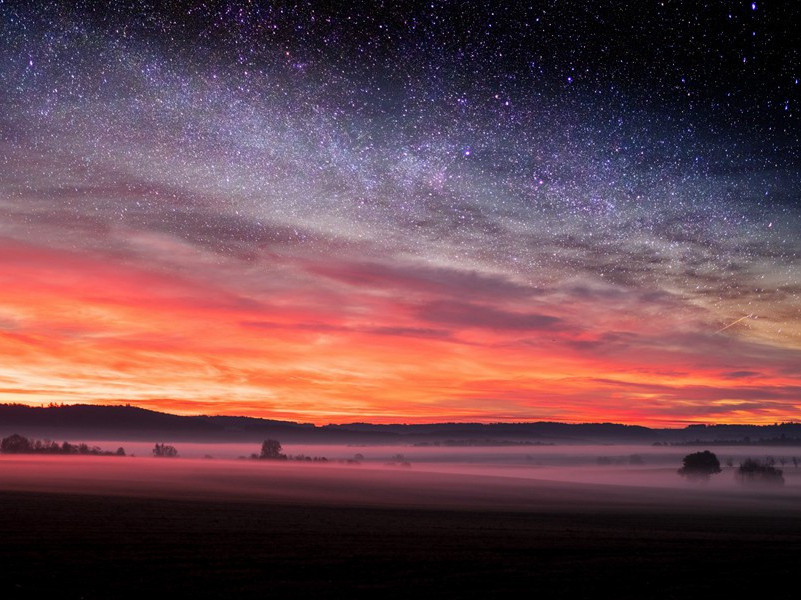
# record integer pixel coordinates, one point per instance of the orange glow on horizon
(77, 330)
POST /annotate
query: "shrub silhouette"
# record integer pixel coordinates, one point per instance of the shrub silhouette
(700, 466)
(753, 472)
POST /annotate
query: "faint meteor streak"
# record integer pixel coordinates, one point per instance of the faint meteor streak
(733, 323)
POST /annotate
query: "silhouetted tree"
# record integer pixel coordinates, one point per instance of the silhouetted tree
(699, 465)
(16, 444)
(752, 471)
(164, 450)
(271, 450)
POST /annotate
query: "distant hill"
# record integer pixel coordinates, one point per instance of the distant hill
(91, 422)
(82, 421)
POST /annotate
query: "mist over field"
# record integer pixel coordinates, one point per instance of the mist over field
(546, 478)
(397, 521)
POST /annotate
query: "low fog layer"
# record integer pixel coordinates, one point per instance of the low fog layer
(545, 455)
(532, 479)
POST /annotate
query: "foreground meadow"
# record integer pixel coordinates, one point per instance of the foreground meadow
(109, 527)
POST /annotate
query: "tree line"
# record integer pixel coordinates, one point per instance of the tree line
(18, 444)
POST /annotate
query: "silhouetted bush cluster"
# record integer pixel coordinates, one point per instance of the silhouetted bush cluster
(357, 459)
(18, 444)
(398, 460)
(699, 466)
(164, 451)
(272, 450)
(753, 471)
(305, 458)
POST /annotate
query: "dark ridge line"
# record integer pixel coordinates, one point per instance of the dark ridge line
(128, 420)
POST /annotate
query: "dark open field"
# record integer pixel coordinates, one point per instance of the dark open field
(137, 529)
(73, 546)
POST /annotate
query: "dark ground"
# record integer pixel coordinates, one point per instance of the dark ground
(71, 546)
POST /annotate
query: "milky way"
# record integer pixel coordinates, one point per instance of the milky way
(403, 211)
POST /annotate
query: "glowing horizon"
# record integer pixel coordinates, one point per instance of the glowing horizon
(129, 335)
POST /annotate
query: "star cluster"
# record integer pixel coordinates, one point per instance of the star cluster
(405, 211)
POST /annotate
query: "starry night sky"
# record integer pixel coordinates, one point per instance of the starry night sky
(403, 211)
